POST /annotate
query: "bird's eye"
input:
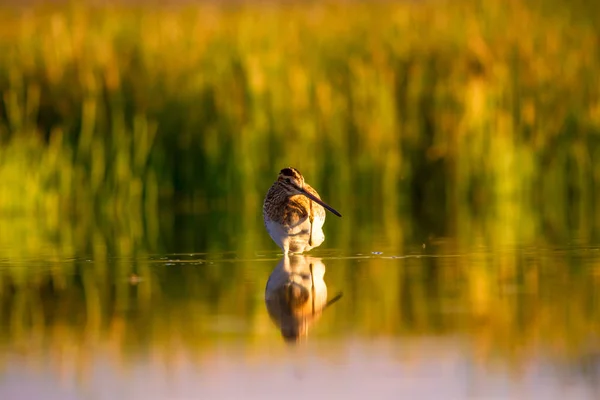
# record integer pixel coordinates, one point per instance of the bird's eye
(288, 180)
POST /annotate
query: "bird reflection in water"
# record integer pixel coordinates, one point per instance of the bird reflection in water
(296, 295)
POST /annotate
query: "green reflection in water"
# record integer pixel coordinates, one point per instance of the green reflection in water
(509, 302)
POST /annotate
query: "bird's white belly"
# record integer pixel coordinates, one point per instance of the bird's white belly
(296, 238)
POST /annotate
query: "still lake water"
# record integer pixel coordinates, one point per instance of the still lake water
(440, 318)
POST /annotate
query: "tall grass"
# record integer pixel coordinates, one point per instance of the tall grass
(448, 110)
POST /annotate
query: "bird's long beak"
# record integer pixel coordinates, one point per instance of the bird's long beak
(318, 201)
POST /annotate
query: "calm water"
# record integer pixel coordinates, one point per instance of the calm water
(384, 315)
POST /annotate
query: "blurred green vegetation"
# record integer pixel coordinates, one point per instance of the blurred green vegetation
(449, 110)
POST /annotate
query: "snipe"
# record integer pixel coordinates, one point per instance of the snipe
(294, 213)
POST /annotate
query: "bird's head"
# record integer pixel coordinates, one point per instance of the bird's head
(292, 182)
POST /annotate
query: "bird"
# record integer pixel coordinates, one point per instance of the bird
(294, 213)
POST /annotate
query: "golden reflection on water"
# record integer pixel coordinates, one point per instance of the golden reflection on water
(296, 295)
(499, 311)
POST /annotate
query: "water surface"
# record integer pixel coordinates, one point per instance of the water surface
(391, 316)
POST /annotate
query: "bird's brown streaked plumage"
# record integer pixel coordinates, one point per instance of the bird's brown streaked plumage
(294, 213)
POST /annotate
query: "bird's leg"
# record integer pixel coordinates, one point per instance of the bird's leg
(285, 246)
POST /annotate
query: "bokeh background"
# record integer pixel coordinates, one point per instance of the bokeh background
(443, 111)
(133, 131)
